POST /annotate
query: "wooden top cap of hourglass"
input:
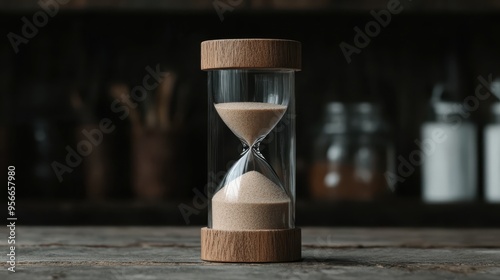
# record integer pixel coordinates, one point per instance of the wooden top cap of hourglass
(251, 53)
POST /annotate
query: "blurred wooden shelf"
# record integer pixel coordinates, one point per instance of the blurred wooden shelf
(426, 6)
(391, 213)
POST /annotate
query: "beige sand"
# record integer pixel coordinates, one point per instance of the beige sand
(250, 120)
(249, 202)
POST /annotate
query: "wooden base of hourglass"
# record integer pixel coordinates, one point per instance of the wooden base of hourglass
(274, 245)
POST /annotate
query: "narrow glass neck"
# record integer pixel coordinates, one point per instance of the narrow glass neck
(254, 148)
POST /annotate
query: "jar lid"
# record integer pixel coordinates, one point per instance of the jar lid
(360, 108)
(251, 54)
(363, 117)
(447, 108)
(335, 108)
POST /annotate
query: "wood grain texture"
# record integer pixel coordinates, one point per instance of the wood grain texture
(137, 253)
(282, 245)
(251, 53)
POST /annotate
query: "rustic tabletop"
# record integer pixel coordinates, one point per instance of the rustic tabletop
(174, 253)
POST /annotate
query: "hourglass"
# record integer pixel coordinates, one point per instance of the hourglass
(252, 143)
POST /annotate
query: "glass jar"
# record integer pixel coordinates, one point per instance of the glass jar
(352, 153)
(449, 168)
(492, 156)
(251, 150)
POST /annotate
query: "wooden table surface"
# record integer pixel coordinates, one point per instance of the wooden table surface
(328, 253)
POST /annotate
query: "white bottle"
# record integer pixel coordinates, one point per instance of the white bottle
(449, 171)
(492, 157)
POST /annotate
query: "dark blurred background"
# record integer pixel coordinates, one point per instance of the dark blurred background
(80, 67)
